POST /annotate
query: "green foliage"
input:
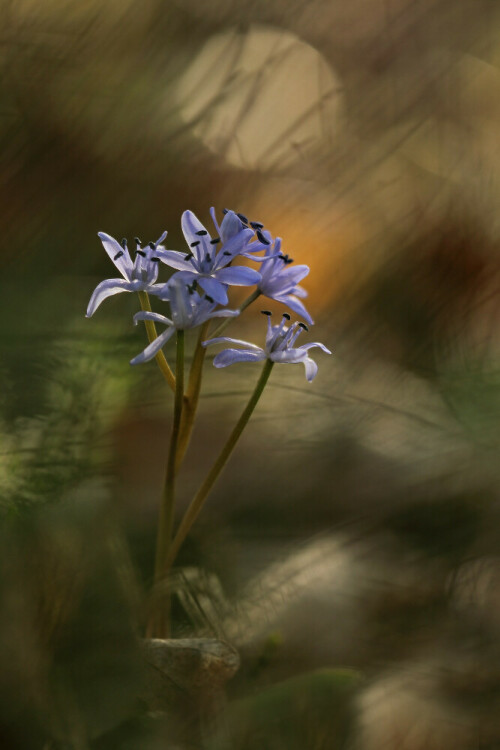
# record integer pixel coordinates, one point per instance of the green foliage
(312, 711)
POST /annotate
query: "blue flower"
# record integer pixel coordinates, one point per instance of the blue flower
(207, 265)
(280, 279)
(138, 276)
(188, 310)
(279, 347)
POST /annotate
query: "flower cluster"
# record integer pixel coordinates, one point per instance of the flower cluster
(198, 290)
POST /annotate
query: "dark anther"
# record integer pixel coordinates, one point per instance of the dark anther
(194, 244)
(242, 218)
(152, 245)
(286, 315)
(283, 257)
(256, 225)
(118, 255)
(137, 241)
(226, 252)
(225, 211)
(261, 237)
(288, 260)
(210, 299)
(141, 252)
(123, 243)
(266, 312)
(207, 258)
(303, 325)
(155, 259)
(201, 233)
(215, 241)
(188, 256)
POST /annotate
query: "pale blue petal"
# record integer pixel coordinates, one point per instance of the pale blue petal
(113, 248)
(190, 226)
(154, 347)
(300, 292)
(155, 317)
(107, 289)
(227, 340)
(296, 305)
(238, 276)
(231, 226)
(311, 369)
(230, 356)
(305, 347)
(174, 259)
(214, 288)
(214, 219)
(288, 356)
(233, 247)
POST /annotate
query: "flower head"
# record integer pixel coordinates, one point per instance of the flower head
(279, 347)
(188, 310)
(208, 265)
(139, 275)
(279, 279)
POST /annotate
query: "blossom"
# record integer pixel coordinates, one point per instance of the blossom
(188, 309)
(138, 276)
(207, 265)
(279, 347)
(279, 279)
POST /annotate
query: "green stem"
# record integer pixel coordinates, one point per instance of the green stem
(152, 335)
(246, 303)
(192, 395)
(200, 497)
(166, 521)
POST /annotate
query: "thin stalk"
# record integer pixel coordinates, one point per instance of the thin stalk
(246, 303)
(200, 497)
(166, 521)
(192, 395)
(152, 335)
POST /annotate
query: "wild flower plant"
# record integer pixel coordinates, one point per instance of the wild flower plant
(197, 293)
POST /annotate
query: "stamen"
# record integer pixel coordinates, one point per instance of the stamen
(215, 241)
(195, 244)
(155, 259)
(210, 299)
(256, 225)
(118, 255)
(242, 218)
(207, 258)
(201, 233)
(286, 315)
(225, 211)
(152, 245)
(288, 260)
(140, 252)
(226, 252)
(137, 241)
(266, 312)
(303, 325)
(261, 237)
(123, 243)
(188, 256)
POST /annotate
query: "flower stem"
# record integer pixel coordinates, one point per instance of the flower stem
(160, 621)
(152, 335)
(246, 303)
(200, 497)
(192, 395)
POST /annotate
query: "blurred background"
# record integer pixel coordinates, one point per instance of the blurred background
(357, 525)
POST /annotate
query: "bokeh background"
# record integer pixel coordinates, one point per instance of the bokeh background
(358, 522)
